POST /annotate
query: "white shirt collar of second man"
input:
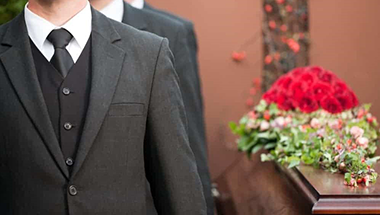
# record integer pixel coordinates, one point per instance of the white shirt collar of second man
(115, 9)
(80, 26)
(138, 4)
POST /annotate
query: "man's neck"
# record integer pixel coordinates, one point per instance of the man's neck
(100, 4)
(57, 12)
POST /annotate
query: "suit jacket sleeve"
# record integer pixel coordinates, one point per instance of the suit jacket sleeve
(170, 164)
(192, 98)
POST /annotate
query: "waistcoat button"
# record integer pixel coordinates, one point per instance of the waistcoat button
(73, 190)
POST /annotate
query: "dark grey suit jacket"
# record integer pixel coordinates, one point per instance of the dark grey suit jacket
(134, 134)
(189, 82)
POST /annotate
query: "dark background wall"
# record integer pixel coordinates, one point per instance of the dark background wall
(345, 39)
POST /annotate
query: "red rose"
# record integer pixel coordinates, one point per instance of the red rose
(295, 73)
(284, 82)
(316, 70)
(283, 101)
(307, 104)
(298, 89)
(354, 99)
(340, 87)
(327, 76)
(331, 104)
(307, 78)
(320, 90)
(270, 96)
(345, 100)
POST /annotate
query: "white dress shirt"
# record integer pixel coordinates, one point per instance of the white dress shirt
(114, 10)
(80, 26)
(138, 4)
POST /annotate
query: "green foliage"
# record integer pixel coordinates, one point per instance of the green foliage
(10, 9)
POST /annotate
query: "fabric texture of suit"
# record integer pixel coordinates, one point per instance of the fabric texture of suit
(134, 133)
(175, 31)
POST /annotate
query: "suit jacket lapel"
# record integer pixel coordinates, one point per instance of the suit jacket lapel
(19, 64)
(107, 60)
(134, 17)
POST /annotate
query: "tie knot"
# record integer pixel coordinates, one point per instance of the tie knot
(60, 38)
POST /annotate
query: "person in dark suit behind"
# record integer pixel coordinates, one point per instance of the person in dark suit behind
(195, 108)
(92, 116)
(175, 31)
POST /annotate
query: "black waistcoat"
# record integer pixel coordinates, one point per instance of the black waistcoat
(66, 98)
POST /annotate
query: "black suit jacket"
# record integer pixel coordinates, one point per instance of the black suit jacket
(189, 82)
(134, 134)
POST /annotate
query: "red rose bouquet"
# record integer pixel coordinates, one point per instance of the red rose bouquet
(311, 116)
(309, 89)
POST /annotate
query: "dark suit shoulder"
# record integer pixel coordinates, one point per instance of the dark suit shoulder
(132, 37)
(187, 23)
(5, 29)
(153, 22)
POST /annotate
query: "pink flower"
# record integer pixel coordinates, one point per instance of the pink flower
(356, 132)
(334, 124)
(280, 121)
(363, 142)
(315, 123)
(252, 115)
(336, 159)
(288, 120)
(252, 124)
(264, 126)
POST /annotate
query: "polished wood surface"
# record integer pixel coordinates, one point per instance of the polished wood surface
(251, 187)
(329, 195)
(328, 184)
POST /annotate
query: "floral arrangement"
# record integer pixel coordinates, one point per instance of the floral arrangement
(311, 116)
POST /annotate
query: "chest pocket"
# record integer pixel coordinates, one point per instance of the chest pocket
(126, 109)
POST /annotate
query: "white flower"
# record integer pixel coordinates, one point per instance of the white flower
(334, 124)
(264, 126)
(363, 142)
(280, 121)
(315, 123)
(356, 132)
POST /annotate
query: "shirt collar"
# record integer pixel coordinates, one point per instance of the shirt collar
(114, 10)
(79, 26)
(138, 4)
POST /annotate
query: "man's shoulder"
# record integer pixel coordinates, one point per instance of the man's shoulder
(153, 22)
(187, 23)
(134, 37)
(160, 20)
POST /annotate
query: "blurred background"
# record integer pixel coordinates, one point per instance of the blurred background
(344, 38)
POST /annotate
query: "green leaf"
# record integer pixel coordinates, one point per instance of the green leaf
(264, 135)
(273, 110)
(373, 160)
(244, 120)
(242, 143)
(233, 127)
(367, 107)
(257, 148)
(270, 145)
(265, 157)
(293, 163)
(347, 177)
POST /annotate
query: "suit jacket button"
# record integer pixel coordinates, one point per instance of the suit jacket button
(69, 161)
(66, 91)
(73, 190)
(68, 126)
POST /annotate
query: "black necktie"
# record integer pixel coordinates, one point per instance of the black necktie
(61, 60)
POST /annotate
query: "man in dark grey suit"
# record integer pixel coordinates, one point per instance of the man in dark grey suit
(90, 123)
(188, 74)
